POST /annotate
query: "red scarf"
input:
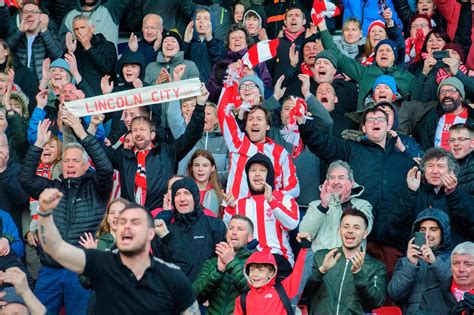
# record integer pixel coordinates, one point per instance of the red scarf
(292, 37)
(305, 69)
(443, 74)
(140, 176)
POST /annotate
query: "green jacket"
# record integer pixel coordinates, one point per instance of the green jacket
(365, 76)
(221, 289)
(341, 292)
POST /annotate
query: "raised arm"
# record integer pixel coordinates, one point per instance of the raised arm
(68, 256)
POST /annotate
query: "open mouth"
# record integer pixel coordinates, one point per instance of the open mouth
(126, 239)
(349, 239)
(324, 100)
(322, 72)
(382, 97)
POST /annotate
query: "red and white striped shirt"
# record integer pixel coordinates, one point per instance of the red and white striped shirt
(241, 149)
(272, 220)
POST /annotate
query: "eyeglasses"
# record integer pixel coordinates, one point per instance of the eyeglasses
(33, 12)
(248, 86)
(460, 139)
(450, 92)
(340, 177)
(375, 119)
(424, 25)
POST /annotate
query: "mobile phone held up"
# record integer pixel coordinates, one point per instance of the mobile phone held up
(420, 239)
(440, 54)
(382, 6)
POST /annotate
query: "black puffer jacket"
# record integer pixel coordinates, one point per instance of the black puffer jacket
(85, 198)
(466, 174)
(4, 21)
(198, 231)
(45, 45)
(161, 162)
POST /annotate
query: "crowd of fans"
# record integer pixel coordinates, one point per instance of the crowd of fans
(326, 166)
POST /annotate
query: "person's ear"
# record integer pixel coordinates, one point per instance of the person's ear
(336, 100)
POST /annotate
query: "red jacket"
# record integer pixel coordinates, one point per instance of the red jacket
(265, 300)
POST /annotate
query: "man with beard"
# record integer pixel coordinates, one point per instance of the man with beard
(434, 184)
(363, 278)
(271, 211)
(128, 279)
(145, 168)
(433, 129)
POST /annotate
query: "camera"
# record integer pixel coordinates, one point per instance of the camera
(440, 54)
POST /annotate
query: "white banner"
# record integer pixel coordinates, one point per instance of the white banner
(149, 95)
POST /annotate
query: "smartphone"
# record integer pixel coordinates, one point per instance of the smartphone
(382, 6)
(440, 54)
(420, 238)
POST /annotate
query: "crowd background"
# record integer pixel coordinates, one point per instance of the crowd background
(339, 128)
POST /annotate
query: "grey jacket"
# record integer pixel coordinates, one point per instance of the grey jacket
(410, 282)
(323, 224)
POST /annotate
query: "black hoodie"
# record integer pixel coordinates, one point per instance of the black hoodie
(265, 161)
(200, 233)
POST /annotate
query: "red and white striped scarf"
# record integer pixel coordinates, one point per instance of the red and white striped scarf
(140, 176)
(292, 37)
(416, 44)
(444, 74)
(367, 61)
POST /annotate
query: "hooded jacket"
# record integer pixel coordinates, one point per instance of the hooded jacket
(410, 282)
(323, 224)
(265, 299)
(105, 18)
(272, 219)
(198, 231)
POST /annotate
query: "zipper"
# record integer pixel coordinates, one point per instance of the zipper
(207, 139)
(375, 281)
(340, 288)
